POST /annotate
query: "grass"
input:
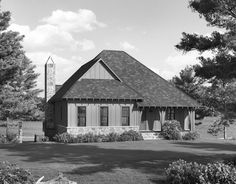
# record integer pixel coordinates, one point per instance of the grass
(140, 162)
(206, 122)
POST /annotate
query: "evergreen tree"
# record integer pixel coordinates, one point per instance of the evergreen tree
(18, 93)
(220, 69)
(189, 83)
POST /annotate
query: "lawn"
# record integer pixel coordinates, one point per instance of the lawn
(140, 162)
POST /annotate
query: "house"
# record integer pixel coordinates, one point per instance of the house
(114, 93)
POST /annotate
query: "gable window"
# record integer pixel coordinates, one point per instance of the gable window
(104, 116)
(125, 116)
(81, 116)
(170, 114)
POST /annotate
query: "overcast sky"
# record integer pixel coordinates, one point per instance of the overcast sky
(75, 31)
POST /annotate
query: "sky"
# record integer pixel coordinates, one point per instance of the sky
(73, 32)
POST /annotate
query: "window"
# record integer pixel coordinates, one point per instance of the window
(81, 116)
(170, 114)
(125, 116)
(104, 116)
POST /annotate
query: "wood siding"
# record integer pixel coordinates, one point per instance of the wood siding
(98, 71)
(93, 113)
(61, 113)
(150, 119)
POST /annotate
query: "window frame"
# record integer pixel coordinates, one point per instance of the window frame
(171, 114)
(79, 124)
(125, 116)
(107, 124)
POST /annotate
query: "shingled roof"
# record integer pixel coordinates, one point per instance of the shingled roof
(101, 89)
(137, 81)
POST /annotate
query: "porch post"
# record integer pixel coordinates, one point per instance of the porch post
(162, 113)
(191, 119)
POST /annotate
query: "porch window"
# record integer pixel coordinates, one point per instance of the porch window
(170, 114)
(125, 116)
(81, 116)
(104, 116)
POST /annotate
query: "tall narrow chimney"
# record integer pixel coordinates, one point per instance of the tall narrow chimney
(50, 86)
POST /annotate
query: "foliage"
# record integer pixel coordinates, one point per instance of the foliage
(41, 138)
(11, 173)
(171, 130)
(220, 125)
(130, 135)
(64, 138)
(182, 172)
(191, 136)
(189, 83)
(9, 138)
(230, 161)
(220, 68)
(90, 137)
(113, 137)
(18, 95)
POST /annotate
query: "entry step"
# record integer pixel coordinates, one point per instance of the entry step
(150, 135)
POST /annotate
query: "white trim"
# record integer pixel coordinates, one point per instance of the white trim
(109, 69)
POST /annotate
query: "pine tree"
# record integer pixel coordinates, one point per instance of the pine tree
(18, 93)
(220, 69)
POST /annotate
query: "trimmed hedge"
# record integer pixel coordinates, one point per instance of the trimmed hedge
(130, 135)
(11, 173)
(182, 172)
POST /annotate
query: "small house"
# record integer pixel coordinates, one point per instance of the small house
(114, 93)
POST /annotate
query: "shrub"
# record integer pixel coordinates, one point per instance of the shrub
(3, 139)
(181, 172)
(41, 138)
(191, 136)
(130, 135)
(219, 173)
(9, 138)
(230, 161)
(11, 173)
(64, 138)
(171, 130)
(90, 137)
(113, 137)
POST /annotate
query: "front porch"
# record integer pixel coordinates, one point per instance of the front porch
(152, 118)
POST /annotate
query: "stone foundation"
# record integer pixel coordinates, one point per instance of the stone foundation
(100, 129)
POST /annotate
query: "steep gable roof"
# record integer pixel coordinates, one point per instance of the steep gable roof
(134, 75)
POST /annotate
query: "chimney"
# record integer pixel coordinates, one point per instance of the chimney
(50, 86)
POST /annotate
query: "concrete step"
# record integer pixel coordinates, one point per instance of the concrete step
(150, 135)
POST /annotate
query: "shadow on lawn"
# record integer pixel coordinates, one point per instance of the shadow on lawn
(212, 146)
(93, 158)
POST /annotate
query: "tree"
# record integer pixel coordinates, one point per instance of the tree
(220, 69)
(189, 83)
(18, 93)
